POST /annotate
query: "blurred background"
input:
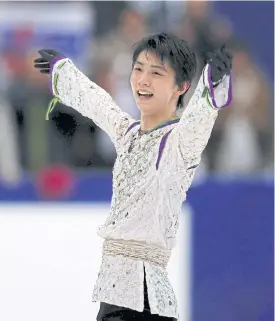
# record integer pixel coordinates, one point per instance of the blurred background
(69, 160)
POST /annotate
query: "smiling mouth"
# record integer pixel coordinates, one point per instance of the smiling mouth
(143, 94)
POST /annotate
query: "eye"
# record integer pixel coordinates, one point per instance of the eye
(156, 73)
(137, 69)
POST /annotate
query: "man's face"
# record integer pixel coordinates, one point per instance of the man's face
(153, 84)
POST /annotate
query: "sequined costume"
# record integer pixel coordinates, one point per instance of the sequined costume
(151, 176)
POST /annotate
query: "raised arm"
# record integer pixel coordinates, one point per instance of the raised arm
(70, 86)
(192, 133)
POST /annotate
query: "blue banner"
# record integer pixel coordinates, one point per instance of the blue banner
(233, 251)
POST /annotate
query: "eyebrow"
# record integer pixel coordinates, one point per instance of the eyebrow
(153, 66)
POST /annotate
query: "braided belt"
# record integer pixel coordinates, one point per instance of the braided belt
(138, 251)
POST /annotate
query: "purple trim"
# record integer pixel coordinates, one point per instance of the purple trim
(52, 63)
(131, 126)
(161, 147)
(229, 95)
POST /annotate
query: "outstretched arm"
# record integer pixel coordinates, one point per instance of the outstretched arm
(213, 92)
(74, 89)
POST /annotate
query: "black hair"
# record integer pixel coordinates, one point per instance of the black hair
(175, 51)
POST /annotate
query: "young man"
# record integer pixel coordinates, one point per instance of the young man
(155, 165)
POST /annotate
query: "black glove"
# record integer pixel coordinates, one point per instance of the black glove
(220, 61)
(43, 63)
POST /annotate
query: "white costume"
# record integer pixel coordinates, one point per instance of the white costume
(151, 176)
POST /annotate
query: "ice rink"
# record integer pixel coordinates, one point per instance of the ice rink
(50, 256)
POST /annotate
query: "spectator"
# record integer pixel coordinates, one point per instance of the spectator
(112, 61)
(10, 167)
(244, 129)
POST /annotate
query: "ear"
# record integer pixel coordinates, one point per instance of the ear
(183, 89)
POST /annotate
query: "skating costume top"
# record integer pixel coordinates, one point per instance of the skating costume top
(151, 176)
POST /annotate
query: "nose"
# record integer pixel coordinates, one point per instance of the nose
(144, 80)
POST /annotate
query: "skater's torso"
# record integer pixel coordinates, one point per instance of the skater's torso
(148, 191)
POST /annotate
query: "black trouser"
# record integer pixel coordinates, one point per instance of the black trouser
(109, 312)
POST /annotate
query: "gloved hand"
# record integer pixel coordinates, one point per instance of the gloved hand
(220, 61)
(47, 56)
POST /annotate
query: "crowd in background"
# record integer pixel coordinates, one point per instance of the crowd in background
(242, 139)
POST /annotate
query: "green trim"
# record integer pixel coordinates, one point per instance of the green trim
(205, 95)
(51, 106)
(55, 100)
(162, 124)
(61, 65)
(205, 92)
(55, 78)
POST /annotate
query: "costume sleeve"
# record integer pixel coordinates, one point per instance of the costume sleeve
(190, 137)
(74, 89)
